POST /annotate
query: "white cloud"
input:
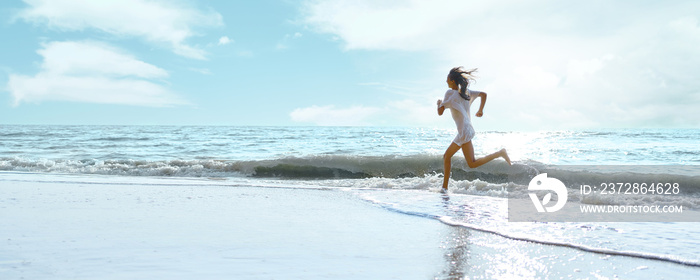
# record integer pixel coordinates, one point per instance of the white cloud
(203, 71)
(381, 24)
(570, 65)
(284, 43)
(331, 116)
(91, 72)
(687, 25)
(581, 70)
(421, 112)
(225, 40)
(155, 21)
(90, 58)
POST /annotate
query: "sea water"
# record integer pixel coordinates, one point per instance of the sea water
(398, 169)
(218, 151)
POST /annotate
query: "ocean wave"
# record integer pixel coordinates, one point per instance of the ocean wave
(311, 167)
(121, 139)
(179, 168)
(480, 187)
(495, 179)
(351, 167)
(13, 134)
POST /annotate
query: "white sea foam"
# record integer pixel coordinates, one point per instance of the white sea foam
(494, 179)
(488, 215)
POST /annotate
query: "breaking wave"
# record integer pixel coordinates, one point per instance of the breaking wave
(495, 179)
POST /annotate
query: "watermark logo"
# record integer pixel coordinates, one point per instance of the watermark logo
(542, 183)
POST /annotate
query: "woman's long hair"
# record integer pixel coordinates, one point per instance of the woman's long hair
(462, 78)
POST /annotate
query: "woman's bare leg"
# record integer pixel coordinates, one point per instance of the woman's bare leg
(505, 156)
(447, 159)
(472, 162)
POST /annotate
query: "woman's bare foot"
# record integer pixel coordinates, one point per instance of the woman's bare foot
(504, 154)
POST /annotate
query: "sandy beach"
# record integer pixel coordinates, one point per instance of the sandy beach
(92, 227)
(98, 231)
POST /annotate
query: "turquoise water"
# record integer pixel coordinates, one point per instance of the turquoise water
(226, 151)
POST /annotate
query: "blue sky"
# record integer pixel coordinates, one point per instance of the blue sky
(545, 64)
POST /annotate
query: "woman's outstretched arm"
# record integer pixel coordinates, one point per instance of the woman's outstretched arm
(483, 103)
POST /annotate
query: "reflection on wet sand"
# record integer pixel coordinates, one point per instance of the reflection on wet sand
(456, 243)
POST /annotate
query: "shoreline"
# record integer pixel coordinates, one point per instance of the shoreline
(63, 226)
